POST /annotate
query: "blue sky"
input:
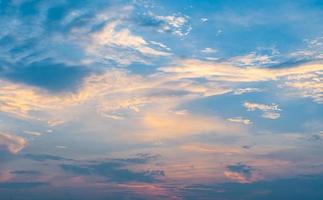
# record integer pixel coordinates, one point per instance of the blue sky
(140, 99)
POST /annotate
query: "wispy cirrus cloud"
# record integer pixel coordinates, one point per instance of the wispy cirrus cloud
(227, 74)
(120, 45)
(246, 90)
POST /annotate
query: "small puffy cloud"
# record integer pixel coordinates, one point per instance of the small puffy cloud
(240, 120)
(269, 111)
(271, 115)
(209, 50)
(203, 19)
(11, 143)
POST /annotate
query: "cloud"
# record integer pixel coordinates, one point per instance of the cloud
(306, 85)
(209, 50)
(211, 149)
(113, 172)
(253, 106)
(299, 80)
(226, 72)
(116, 170)
(174, 24)
(25, 172)
(114, 94)
(5, 176)
(240, 172)
(54, 77)
(61, 147)
(121, 46)
(165, 126)
(246, 90)
(240, 120)
(11, 143)
(33, 133)
(22, 185)
(267, 189)
(254, 59)
(45, 157)
(19, 100)
(269, 111)
(313, 50)
(271, 115)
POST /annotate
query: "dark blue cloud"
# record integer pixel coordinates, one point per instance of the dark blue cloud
(297, 188)
(29, 52)
(46, 74)
(25, 172)
(22, 185)
(115, 170)
(45, 157)
(5, 155)
(242, 169)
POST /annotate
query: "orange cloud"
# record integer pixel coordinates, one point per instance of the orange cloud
(12, 143)
(165, 125)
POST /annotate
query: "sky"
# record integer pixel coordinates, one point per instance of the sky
(176, 100)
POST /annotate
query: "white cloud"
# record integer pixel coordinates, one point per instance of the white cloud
(33, 133)
(313, 50)
(304, 79)
(309, 85)
(254, 106)
(118, 44)
(226, 72)
(271, 115)
(240, 120)
(253, 59)
(175, 24)
(246, 90)
(269, 111)
(113, 95)
(204, 19)
(209, 50)
(61, 147)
